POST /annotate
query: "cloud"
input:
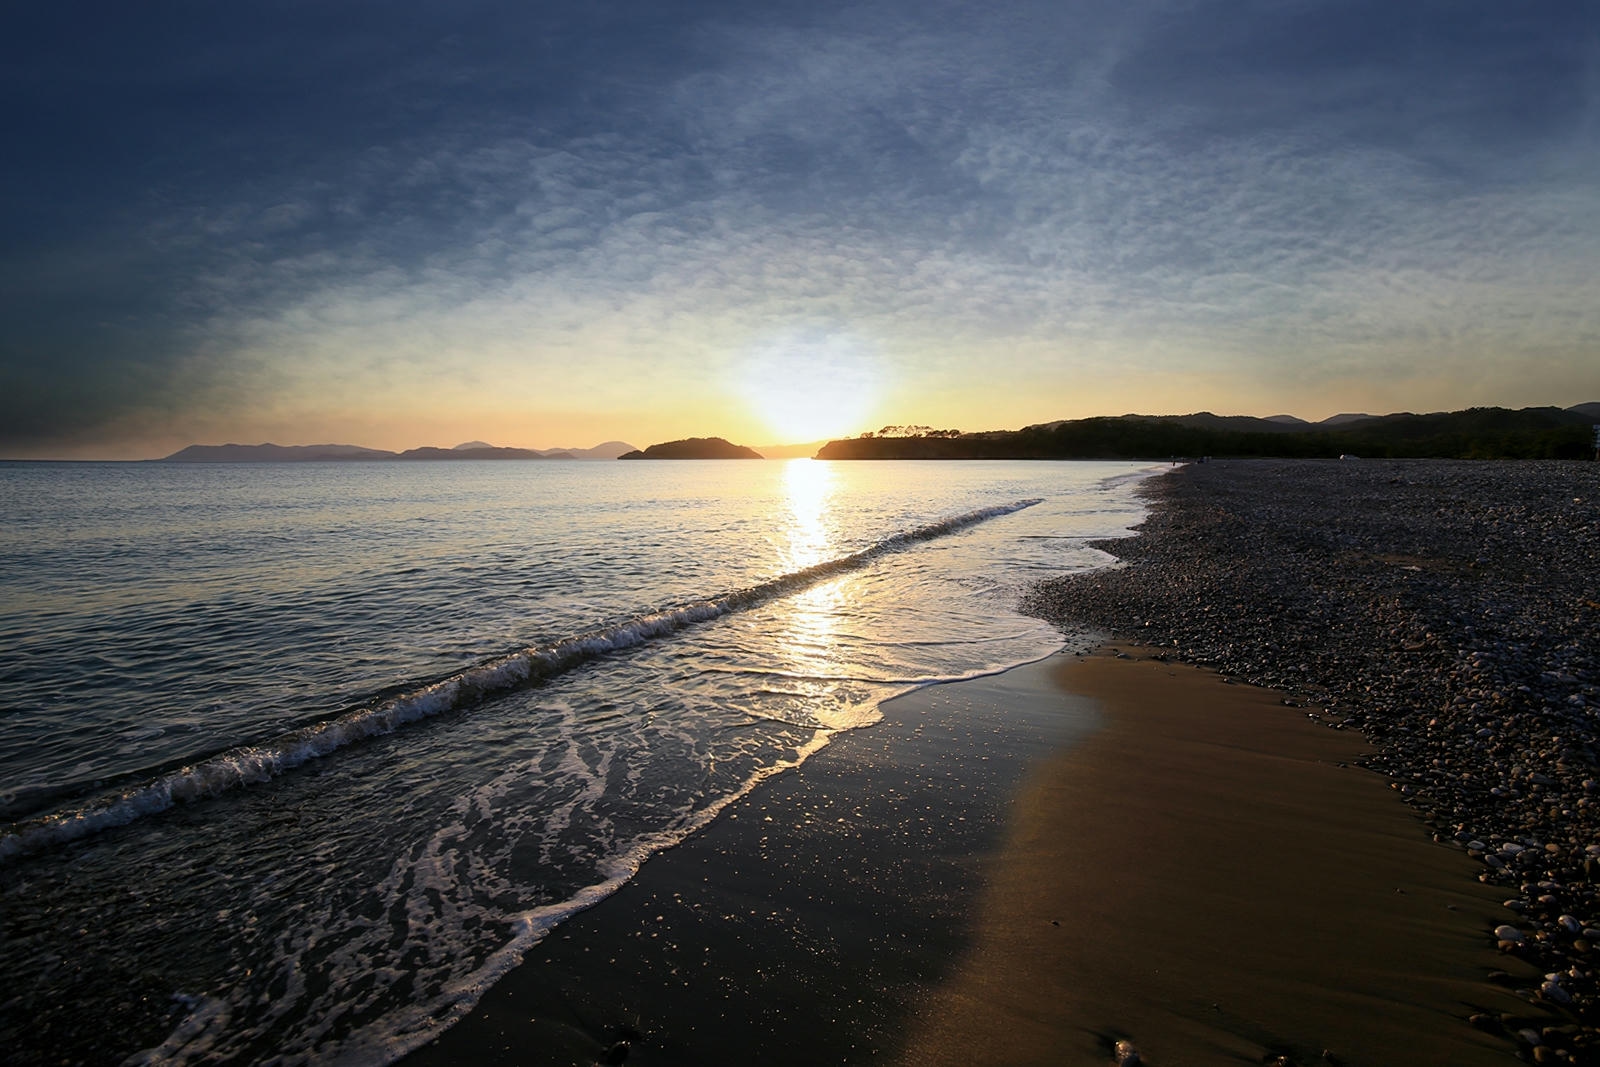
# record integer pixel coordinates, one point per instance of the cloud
(612, 211)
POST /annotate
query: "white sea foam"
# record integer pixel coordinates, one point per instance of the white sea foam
(423, 1021)
(261, 762)
(429, 883)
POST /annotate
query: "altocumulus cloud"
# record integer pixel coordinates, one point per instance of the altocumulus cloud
(301, 208)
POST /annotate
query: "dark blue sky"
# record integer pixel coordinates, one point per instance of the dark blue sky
(412, 223)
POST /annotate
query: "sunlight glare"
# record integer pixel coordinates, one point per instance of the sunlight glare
(806, 636)
(809, 389)
(808, 487)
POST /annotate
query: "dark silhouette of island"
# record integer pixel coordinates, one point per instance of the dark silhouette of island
(1476, 433)
(695, 448)
(270, 453)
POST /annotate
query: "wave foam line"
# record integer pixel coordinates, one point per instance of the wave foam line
(262, 762)
(407, 1029)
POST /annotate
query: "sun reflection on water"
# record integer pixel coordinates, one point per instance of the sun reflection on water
(808, 490)
(807, 635)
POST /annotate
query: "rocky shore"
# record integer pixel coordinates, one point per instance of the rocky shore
(1447, 610)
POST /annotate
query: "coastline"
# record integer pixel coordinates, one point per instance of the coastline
(886, 900)
(803, 925)
(1446, 610)
(1023, 869)
(1212, 879)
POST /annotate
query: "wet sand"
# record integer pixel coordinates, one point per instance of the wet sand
(1447, 610)
(1022, 870)
(1204, 878)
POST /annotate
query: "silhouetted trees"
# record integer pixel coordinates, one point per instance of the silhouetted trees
(1477, 433)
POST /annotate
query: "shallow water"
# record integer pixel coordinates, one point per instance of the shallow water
(321, 749)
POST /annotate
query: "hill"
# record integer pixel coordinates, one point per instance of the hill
(1477, 433)
(604, 450)
(466, 452)
(695, 448)
(270, 453)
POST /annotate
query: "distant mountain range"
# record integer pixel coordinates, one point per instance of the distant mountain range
(269, 453)
(1477, 433)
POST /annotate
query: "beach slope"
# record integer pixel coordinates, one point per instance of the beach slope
(1211, 878)
(1024, 869)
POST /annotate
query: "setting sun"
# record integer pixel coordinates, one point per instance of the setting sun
(811, 388)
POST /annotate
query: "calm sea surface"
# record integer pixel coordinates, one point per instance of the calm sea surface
(296, 760)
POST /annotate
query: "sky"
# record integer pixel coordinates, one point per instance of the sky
(547, 224)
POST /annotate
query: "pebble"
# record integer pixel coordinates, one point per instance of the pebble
(1446, 609)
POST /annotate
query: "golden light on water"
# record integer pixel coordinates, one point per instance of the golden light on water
(809, 639)
(808, 489)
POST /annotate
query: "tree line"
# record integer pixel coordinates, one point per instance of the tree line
(1478, 433)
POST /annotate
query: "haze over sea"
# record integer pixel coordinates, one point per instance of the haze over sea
(299, 758)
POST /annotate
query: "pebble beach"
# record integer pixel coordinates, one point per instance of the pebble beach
(1448, 612)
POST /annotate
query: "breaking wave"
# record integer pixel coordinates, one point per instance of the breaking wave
(250, 764)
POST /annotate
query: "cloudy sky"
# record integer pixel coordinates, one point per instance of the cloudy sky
(546, 223)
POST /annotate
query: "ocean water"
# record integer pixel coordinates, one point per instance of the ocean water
(297, 759)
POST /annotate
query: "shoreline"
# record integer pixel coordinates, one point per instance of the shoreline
(803, 924)
(1447, 610)
(886, 900)
(1420, 604)
(1212, 879)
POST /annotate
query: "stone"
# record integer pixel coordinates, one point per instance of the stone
(1291, 558)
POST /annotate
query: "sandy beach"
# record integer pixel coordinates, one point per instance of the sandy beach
(1445, 610)
(1023, 870)
(1212, 879)
(805, 924)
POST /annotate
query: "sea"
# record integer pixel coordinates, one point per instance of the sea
(297, 759)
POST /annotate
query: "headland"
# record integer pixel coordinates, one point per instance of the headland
(1476, 433)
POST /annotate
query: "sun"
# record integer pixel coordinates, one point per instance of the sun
(810, 388)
